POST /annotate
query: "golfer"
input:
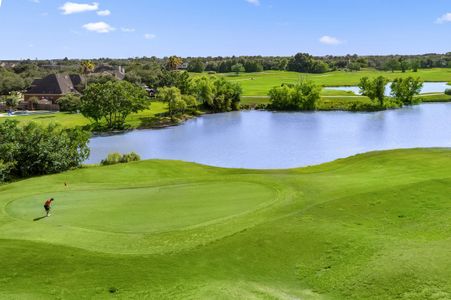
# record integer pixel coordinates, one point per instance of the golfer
(47, 206)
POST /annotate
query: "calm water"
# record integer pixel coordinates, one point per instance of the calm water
(428, 87)
(265, 140)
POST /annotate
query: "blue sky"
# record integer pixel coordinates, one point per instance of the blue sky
(119, 28)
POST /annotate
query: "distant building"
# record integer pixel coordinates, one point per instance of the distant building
(50, 88)
(183, 66)
(117, 72)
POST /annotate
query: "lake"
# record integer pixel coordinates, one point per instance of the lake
(428, 87)
(269, 140)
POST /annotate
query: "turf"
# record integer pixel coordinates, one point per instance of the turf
(258, 84)
(135, 120)
(373, 226)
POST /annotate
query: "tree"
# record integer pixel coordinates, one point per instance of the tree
(10, 82)
(403, 64)
(301, 96)
(392, 65)
(216, 94)
(237, 69)
(87, 67)
(33, 101)
(252, 66)
(415, 65)
(305, 63)
(70, 103)
(173, 63)
(32, 149)
(374, 89)
(12, 100)
(173, 97)
(196, 66)
(113, 102)
(405, 89)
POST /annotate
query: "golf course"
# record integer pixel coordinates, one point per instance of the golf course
(372, 226)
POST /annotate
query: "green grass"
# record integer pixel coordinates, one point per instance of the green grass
(435, 97)
(69, 120)
(258, 84)
(373, 226)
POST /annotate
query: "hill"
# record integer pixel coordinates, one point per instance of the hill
(373, 226)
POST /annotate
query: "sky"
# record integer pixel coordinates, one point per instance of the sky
(119, 29)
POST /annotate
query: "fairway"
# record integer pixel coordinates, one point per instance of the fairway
(372, 226)
(259, 84)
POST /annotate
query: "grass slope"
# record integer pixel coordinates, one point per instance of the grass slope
(373, 226)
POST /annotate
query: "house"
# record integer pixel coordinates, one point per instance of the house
(117, 72)
(183, 66)
(49, 89)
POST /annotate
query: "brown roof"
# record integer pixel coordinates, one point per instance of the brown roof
(55, 84)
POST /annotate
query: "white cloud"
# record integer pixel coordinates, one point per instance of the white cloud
(254, 2)
(72, 8)
(444, 19)
(104, 13)
(329, 40)
(99, 27)
(149, 36)
(0, 3)
(125, 29)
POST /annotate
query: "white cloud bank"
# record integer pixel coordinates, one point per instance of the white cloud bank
(329, 40)
(72, 8)
(444, 19)
(126, 29)
(254, 2)
(99, 27)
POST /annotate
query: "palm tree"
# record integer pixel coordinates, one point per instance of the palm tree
(87, 67)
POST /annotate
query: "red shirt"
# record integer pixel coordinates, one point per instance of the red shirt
(48, 203)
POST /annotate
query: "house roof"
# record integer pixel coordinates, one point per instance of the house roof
(55, 84)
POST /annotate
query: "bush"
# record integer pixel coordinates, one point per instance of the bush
(117, 158)
(302, 96)
(33, 149)
(448, 92)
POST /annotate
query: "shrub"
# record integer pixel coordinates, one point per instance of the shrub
(33, 149)
(117, 158)
(448, 92)
(302, 96)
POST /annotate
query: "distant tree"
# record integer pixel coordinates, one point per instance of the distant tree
(70, 103)
(374, 89)
(113, 102)
(237, 69)
(173, 63)
(403, 64)
(33, 101)
(9, 82)
(87, 67)
(282, 65)
(405, 89)
(252, 66)
(173, 97)
(354, 66)
(392, 65)
(305, 63)
(196, 66)
(12, 100)
(216, 94)
(415, 64)
(301, 96)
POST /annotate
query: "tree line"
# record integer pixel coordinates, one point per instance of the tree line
(305, 95)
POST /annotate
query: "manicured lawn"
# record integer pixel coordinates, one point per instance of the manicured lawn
(373, 226)
(258, 84)
(74, 120)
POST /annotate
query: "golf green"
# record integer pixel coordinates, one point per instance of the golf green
(147, 209)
